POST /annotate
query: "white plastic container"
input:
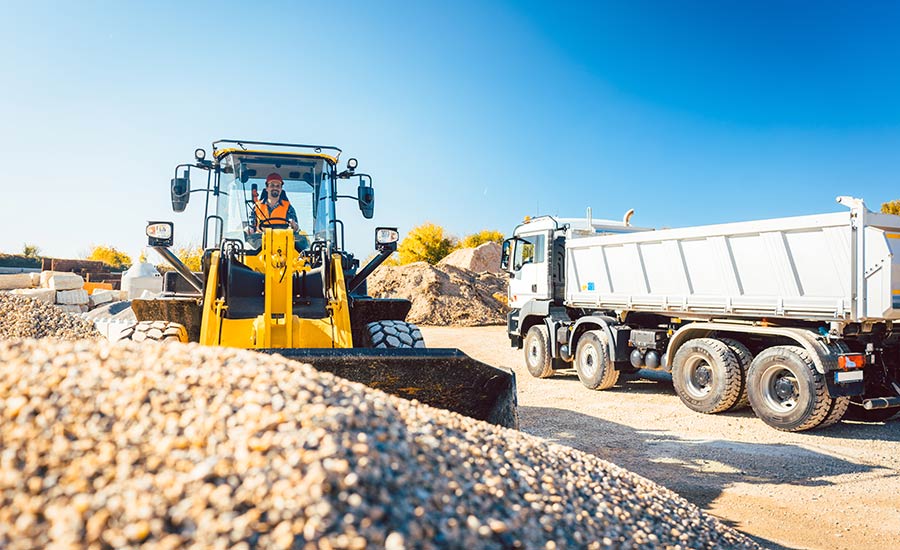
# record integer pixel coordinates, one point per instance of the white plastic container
(141, 277)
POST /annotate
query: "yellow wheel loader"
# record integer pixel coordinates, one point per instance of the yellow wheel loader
(276, 278)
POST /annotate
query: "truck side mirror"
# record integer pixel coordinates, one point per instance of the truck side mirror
(506, 253)
(366, 196)
(181, 192)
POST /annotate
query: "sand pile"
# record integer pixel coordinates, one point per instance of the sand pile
(177, 445)
(485, 257)
(24, 317)
(443, 295)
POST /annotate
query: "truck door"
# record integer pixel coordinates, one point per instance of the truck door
(529, 276)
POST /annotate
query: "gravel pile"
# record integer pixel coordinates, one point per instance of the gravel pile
(23, 317)
(443, 295)
(179, 445)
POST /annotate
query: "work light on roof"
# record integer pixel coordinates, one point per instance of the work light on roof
(352, 164)
(199, 153)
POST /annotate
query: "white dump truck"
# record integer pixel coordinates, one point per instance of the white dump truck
(792, 316)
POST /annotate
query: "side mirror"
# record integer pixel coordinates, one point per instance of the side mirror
(366, 196)
(181, 192)
(506, 253)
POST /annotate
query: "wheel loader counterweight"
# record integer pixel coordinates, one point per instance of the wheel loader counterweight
(269, 286)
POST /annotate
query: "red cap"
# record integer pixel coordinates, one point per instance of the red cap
(274, 177)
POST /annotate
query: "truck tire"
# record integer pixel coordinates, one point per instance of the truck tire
(155, 331)
(707, 376)
(787, 393)
(392, 335)
(744, 357)
(592, 361)
(538, 360)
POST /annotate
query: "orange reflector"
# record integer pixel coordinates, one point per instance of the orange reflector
(851, 361)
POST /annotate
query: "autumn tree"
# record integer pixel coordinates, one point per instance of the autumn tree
(114, 258)
(191, 255)
(483, 236)
(891, 207)
(426, 243)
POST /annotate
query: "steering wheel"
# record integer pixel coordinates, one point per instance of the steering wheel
(272, 222)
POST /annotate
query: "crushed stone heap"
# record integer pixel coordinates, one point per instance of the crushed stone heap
(24, 317)
(443, 295)
(114, 445)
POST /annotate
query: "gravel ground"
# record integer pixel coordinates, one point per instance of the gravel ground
(171, 445)
(835, 488)
(23, 317)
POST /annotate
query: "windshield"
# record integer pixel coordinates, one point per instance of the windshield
(304, 202)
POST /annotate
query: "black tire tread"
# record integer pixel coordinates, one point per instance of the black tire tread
(545, 363)
(734, 380)
(824, 405)
(393, 335)
(609, 374)
(744, 357)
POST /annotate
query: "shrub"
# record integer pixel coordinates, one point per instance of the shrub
(483, 236)
(190, 254)
(31, 251)
(426, 243)
(891, 207)
(114, 258)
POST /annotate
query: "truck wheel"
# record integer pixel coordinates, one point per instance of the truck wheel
(155, 331)
(786, 392)
(537, 352)
(707, 376)
(392, 335)
(592, 363)
(744, 357)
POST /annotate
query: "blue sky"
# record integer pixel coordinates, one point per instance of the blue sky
(468, 114)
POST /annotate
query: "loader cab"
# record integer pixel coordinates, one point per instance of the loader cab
(241, 185)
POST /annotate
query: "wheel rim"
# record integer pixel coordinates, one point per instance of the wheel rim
(533, 353)
(780, 388)
(697, 376)
(587, 361)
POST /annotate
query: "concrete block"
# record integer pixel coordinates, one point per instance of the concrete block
(42, 294)
(15, 280)
(35, 279)
(65, 281)
(73, 308)
(45, 277)
(72, 297)
(101, 297)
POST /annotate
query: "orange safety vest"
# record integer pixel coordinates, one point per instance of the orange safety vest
(263, 212)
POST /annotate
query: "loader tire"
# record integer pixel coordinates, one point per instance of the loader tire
(593, 365)
(156, 331)
(707, 376)
(537, 352)
(788, 393)
(745, 358)
(392, 335)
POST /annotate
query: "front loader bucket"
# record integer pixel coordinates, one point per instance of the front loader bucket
(444, 378)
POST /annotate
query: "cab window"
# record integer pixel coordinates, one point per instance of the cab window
(530, 250)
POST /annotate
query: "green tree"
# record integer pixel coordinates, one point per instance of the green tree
(426, 243)
(31, 251)
(111, 256)
(483, 236)
(891, 207)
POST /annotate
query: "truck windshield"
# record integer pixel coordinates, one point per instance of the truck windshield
(305, 199)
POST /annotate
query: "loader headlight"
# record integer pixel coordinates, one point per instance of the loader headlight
(160, 233)
(352, 164)
(386, 235)
(199, 153)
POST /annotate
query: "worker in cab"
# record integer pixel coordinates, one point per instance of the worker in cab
(273, 205)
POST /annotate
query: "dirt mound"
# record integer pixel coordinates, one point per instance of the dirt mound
(24, 317)
(178, 446)
(443, 295)
(485, 257)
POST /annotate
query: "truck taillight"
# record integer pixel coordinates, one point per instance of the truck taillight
(849, 361)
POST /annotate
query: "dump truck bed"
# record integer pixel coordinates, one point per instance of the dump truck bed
(829, 267)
